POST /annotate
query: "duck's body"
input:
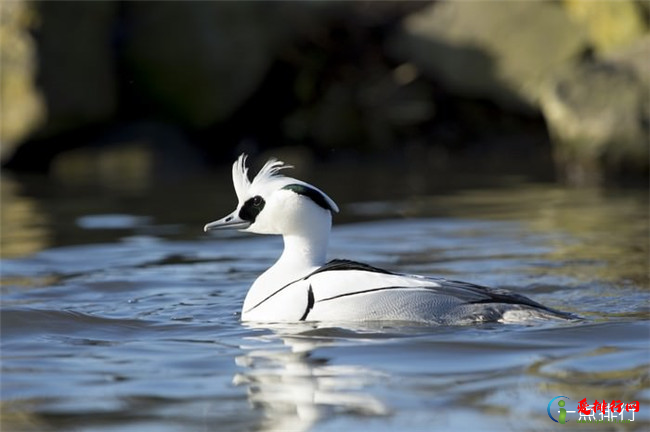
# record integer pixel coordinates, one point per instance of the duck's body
(343, 290)
(301, 286)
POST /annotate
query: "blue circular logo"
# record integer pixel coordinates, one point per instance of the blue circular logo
(549, 407)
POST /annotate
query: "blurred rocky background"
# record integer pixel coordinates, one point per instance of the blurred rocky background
(559, 87)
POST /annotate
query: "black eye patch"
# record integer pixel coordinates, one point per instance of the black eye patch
(251, 208)
(312, 194)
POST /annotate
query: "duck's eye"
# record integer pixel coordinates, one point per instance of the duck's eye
(251, 208)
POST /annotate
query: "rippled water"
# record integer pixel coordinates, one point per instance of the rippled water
(119, 314)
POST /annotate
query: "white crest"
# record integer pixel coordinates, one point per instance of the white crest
(240, 174)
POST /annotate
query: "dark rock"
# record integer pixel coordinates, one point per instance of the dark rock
(203, 68)
(76, 64)
(500, 51)
(598, 113)
(22, 108)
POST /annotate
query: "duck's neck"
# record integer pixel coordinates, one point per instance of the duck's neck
(303, 253)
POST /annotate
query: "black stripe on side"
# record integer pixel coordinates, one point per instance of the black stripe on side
(312, 194)
(310, 304)
(272, 294)
(343, 264)
(375, 290)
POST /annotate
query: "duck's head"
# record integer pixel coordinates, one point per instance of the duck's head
(274, 204)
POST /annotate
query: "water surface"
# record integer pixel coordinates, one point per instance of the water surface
(118, 313)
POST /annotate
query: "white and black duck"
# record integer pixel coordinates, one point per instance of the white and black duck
(303, 286)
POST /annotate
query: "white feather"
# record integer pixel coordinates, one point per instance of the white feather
(240, 177)
(269, 171)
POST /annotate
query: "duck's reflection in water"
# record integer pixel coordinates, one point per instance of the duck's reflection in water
(296, 387)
